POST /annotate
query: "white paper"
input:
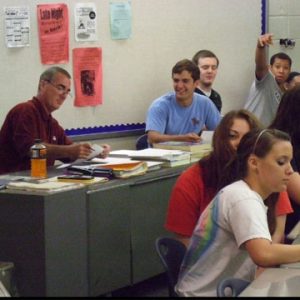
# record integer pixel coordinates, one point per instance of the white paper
(206, 136)
(97, 149)
(17, 26)
(85, 17)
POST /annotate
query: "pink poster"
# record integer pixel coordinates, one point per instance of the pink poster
(53, 24)
(87, 72)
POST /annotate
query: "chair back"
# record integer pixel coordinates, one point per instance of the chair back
(236, 286)
(171, 253)
(142, 142)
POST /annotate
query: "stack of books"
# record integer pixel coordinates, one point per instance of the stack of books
(197, 150)
(168, 158)
(113, 167)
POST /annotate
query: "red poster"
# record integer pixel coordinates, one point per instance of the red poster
(87, 72)
(53, 23)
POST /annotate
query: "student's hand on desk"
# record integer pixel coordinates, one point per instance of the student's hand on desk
(192, 137)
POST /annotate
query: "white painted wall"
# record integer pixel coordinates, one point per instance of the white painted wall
(138, 70)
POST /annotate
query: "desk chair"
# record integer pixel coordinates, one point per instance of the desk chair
(236, 286)
(142, 142)
(171, 253)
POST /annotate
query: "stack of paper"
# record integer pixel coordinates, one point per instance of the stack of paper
(160, 155)
(124, 159)
(197, 150)
(49, 186)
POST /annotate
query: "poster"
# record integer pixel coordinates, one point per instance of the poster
(17, 26)
(87, 73)
(53, 24)
(120, 20)
(85, 17)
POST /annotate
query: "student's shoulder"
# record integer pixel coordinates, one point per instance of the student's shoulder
(215, 94)
(236, 190)
(165, 99)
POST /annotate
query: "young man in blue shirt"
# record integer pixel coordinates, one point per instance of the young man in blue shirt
(181, 115)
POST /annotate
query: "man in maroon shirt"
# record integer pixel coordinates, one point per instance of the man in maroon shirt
(30, 120)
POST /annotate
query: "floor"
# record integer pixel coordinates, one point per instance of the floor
(154, 287)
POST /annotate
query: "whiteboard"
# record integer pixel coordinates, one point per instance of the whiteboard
(138, 70)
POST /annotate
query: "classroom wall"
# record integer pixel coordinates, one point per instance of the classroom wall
(284, 23)
(138, 70)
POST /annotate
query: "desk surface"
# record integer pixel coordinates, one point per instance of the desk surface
(274, 282)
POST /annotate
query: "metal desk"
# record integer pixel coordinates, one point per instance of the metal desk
(274, 282)
(89, 241)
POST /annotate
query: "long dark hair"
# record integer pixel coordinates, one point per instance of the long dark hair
(287, 119)
(213, 165)
(259, 143)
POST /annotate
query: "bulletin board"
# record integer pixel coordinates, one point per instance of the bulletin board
(137, 70)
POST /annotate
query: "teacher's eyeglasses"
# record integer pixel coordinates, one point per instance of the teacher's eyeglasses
(62, 90)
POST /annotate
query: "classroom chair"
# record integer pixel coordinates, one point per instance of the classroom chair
(235, 285)
(142, 142)
(171, 253)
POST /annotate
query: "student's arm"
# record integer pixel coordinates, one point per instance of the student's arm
(278, 235)
(267, 254)
(293, 187)
(261, 60)
(156, 137)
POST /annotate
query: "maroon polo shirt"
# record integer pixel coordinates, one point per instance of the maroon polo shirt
(23, 124)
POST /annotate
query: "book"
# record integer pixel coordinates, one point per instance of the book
(122, 153)
(49, 186)
(184, 146)
(90, 170)
(84, 179)
(151, 165)
(160, 154)
(154, 165)
(126, 170)
(176, 163)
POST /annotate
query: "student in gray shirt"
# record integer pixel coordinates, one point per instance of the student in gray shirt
(268, 86)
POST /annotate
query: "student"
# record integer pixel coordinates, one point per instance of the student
(33, 119)
(232, 235)
(292, 80)
(197, 186)
(268, 86)
(287, 119)
(181, 115)
(208, 64)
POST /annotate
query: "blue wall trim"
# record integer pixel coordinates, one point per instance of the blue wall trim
(106, 129)
(263, 16)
